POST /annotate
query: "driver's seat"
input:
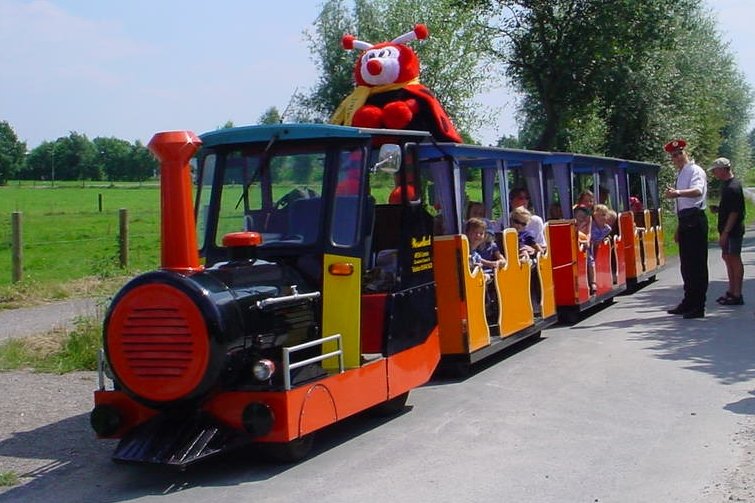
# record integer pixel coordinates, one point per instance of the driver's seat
(304, 218)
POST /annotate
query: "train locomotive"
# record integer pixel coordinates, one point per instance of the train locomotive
(261, 343)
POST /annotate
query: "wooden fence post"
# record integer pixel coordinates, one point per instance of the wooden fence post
(123, 236)
(17, 248)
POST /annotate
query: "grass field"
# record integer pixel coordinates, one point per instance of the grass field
(66, 236)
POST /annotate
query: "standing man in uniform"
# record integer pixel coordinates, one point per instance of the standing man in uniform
(692, 232)
(731, 229)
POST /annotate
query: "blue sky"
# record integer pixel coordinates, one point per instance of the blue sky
(131, 68)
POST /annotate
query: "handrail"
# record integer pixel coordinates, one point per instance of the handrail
(101, 369)
(264, 303)
(288, 366)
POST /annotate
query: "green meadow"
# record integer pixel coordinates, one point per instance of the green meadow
(67, 236)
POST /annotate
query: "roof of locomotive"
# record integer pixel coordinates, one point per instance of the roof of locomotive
(285, 131)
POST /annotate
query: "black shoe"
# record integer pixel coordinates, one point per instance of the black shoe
(694, 314)
(680, 309)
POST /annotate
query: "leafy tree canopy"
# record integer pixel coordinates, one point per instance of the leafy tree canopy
(619, 77)
(12, 153)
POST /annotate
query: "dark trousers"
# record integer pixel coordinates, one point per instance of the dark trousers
(693, 258)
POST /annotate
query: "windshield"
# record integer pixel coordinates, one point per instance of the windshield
(277, 195)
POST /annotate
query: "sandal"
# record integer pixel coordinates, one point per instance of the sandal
(724, 298)
(733, 301)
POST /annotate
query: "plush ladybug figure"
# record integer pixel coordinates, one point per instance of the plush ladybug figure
(388, 92)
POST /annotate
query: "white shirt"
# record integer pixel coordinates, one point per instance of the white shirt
(691, 176)
(536, 227)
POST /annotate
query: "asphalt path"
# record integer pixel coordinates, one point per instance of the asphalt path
(629, 405)
(34, 320)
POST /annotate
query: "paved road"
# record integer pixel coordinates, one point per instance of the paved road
(629, 405)
(35, 320)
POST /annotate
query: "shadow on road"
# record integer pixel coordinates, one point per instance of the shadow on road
(73, 458)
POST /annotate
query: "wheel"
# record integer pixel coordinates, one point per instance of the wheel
(290, 452)
(569, 317)
(391, 407)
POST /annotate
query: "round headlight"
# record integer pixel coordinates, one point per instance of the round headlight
(263, 370)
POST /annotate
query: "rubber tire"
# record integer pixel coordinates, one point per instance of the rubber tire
(290, 452)
(391, 407)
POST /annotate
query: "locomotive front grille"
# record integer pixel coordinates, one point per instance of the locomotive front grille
(157, 343)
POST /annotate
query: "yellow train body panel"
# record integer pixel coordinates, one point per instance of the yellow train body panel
(513, 287)
(460, 297)
(340, 310)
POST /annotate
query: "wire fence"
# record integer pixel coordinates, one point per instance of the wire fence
(59, 248)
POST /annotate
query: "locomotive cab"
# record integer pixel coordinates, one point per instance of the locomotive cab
(302, 311)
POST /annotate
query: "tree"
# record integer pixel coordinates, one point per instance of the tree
(719, 104)
(114, 158)
(452, 65)
(562, 54)
(39, 163)
(620, 77)
(143, 164)
(76, 158)
(271, 116)
(12, 153)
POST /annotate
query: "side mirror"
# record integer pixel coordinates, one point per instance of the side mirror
(389, 158)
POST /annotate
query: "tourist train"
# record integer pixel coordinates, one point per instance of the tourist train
(310, 272)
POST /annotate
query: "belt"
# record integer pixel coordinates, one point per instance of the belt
(688, 212)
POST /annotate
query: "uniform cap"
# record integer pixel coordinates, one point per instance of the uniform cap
(721, 162)
(675, 145)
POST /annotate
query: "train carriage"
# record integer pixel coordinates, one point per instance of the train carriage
(634, 251)
(482, 313)
(642, 223)
(567, 178)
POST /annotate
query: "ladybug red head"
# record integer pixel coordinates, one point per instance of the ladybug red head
(388, 62)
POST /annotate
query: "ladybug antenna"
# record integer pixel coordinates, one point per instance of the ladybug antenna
(419, 32)
(350, 42)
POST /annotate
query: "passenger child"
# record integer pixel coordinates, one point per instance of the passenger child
(612, 220)
(635, 204)
(586, 199)
(584, 233)
(583, 221)
(490, 253)
(528, 251)
(554, 212)
(536, 227)
(528, 246)
(475, 230)
(601, 225)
